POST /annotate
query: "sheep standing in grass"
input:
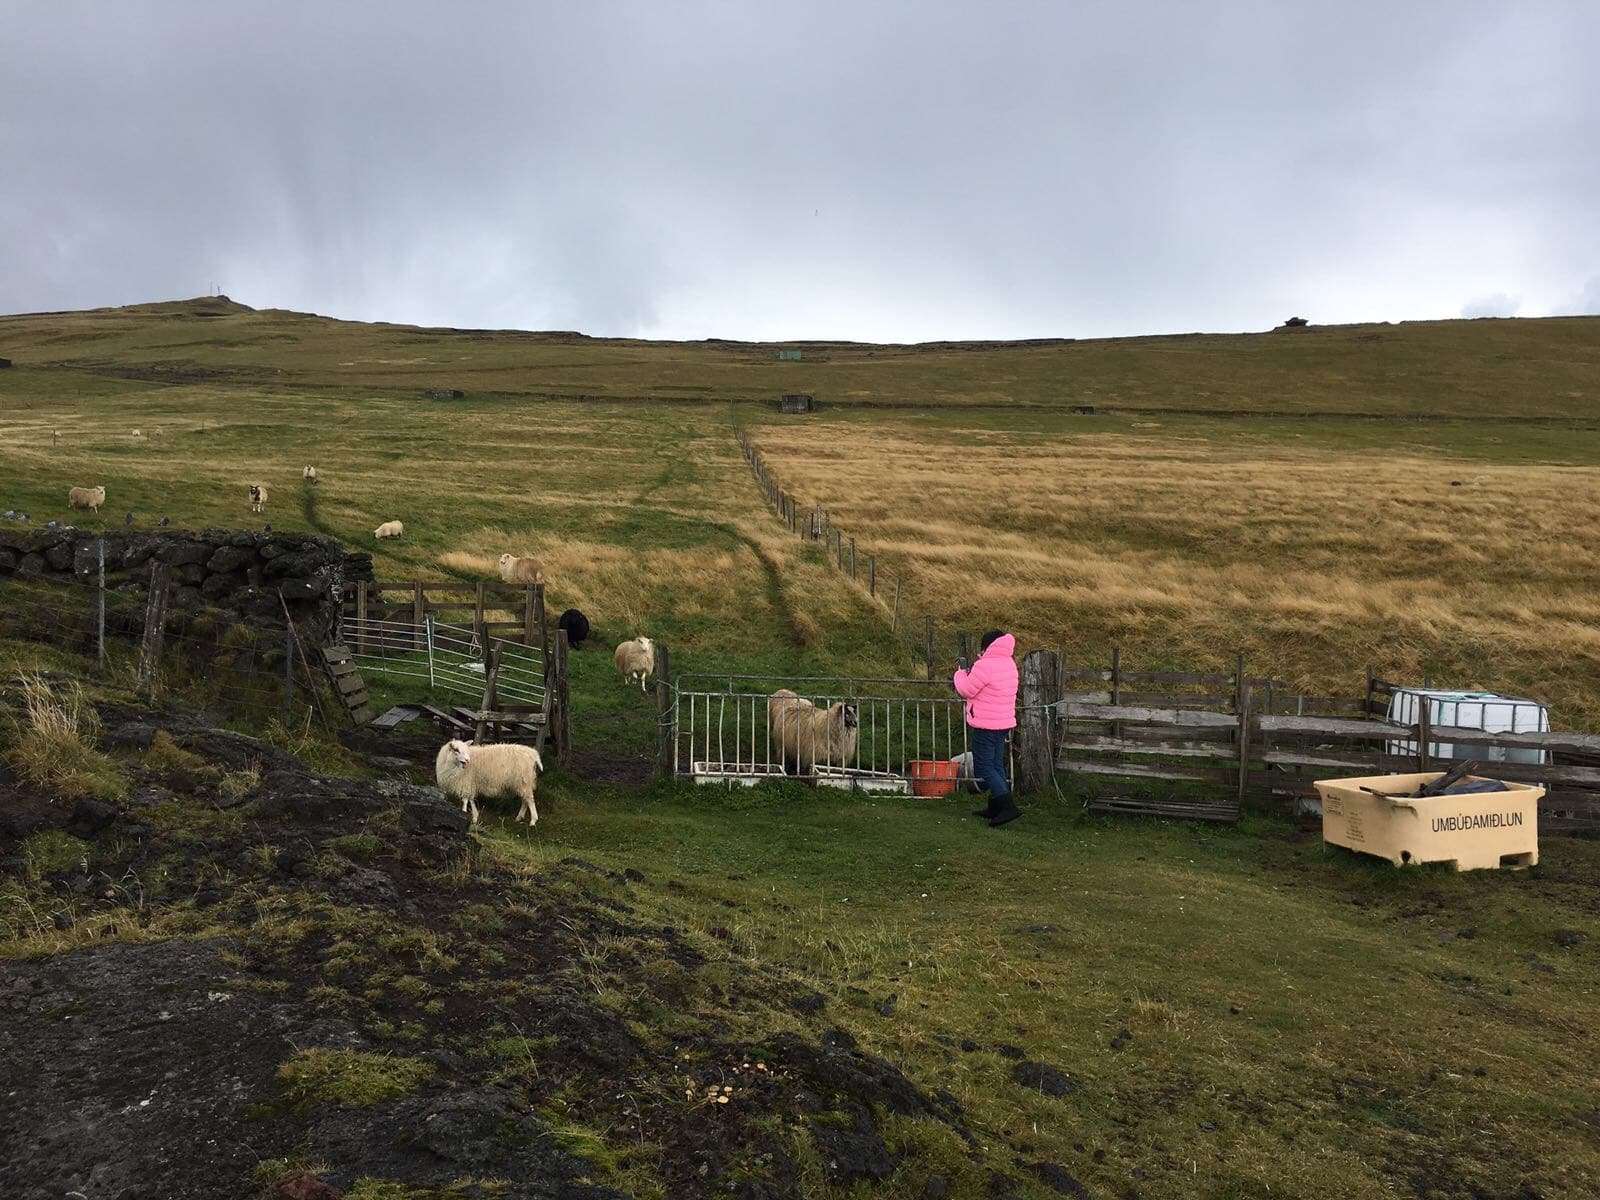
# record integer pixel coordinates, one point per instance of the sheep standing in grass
(90, 498)
(389, 529)
(521, 570)
(804, 735)
(309, 474)
(637, 657)
(258, 497)
(465, 772)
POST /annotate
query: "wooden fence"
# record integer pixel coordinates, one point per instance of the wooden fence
(1229, 738)
(474, 605)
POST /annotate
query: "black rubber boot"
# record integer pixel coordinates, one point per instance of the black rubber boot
(1006, 812)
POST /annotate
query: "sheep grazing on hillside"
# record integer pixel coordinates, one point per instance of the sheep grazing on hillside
(575, 625)
(309, 474)
(636, 658)
(521, 570)
(466, 772)
(804, 735)
(137, 434)
(258, 497)
(389, 529)
(90, 498)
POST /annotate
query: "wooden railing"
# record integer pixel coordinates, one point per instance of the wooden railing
(1228, 738)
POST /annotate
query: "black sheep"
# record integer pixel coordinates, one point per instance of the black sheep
(575, 625)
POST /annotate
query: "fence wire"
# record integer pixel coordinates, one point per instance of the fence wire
(213, 658)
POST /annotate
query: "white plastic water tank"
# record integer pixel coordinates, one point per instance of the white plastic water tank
(1489, 711)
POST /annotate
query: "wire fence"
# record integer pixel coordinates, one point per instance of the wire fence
(252, 667)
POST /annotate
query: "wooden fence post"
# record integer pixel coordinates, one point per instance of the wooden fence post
(418, 608)
(1244, 736)
(872, 575)
(155, 629)
(667, 733)
(894, 621)
(477, 621)
(361, 616)
(1040, 689)
(852, 558)
(561, 700)
(529, 618)
(1424, 731)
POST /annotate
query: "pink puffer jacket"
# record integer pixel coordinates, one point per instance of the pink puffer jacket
(991, 686)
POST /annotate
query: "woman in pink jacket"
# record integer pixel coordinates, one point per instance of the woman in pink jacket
(990, 688)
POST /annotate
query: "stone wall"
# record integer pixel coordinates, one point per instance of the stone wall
(234, 569)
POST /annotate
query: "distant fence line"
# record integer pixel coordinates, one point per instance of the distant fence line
(814, 523)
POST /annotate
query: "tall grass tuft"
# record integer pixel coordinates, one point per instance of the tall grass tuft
(52, 737)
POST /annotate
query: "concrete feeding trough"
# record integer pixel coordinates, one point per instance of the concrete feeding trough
(748, 775)
(1383, 815)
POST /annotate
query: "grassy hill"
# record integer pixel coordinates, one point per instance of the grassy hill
(1236, 1013)
(1493, 369)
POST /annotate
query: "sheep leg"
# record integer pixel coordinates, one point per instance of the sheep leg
(527, 807)
(467, 802)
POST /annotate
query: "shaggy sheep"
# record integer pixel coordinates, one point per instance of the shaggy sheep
(258, 497)
(521, 570)
(465, 772)
(637, 657)
(137, 434)
(804, 735)
(576, 626)
(389, 529)
(309, 474)
(90, 498)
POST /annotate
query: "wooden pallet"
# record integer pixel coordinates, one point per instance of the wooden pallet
(348, 684)
(1182, 810)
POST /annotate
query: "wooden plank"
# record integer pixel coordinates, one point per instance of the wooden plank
(363, 715)
(397, 715)
(1333, 727)
(1582, 743)
(1144, 771)
(1124, 745)
(1069, 710)
(335, 654)
(1327, 760)
(1125, 806)
(349, 683)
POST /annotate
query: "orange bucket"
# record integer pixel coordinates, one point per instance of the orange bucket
(933, 776)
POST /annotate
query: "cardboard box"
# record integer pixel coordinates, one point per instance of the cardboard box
(1473, 831)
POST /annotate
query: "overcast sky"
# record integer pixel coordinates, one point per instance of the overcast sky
(868, 170)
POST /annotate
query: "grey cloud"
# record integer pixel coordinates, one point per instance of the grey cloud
(884, 171)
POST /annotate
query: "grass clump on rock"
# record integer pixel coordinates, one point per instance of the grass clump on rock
(349, 1077)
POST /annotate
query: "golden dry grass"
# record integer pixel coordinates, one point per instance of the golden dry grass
(1187, 546)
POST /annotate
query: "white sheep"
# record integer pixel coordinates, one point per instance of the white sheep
(258, 497)
(465, 772)
(389, 529)
(804, 735)
(309, 474)
(137, 435)
(636, 657)
(90, 498)
(521, 570)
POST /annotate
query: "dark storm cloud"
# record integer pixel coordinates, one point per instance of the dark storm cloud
(874, 171)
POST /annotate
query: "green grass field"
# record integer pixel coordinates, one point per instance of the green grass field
(1301, 1022)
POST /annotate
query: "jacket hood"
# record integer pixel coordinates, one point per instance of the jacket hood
(1002, 647)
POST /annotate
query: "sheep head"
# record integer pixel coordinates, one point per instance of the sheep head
(462, 751)
(847, 714)
(645, 643)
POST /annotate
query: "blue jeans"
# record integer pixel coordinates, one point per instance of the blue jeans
(989, 763)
